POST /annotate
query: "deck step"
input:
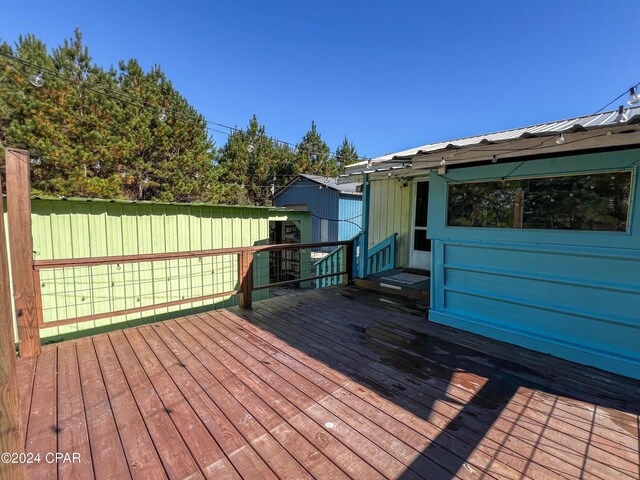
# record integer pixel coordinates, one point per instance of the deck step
(392, 288)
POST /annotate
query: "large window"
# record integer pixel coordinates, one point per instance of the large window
(598, 202)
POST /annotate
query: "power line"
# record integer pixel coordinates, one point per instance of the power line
(617, 98)
(131, 100)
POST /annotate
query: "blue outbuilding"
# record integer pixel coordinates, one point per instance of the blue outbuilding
(336, 209)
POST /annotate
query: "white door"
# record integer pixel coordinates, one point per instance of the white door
(420, 244)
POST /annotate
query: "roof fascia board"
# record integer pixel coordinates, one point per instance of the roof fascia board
(627, 136)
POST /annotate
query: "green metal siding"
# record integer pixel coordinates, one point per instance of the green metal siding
(80, 228)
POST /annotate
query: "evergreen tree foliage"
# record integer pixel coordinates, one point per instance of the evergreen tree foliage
(95, 132)
(346, 154)
(313, 154)
(254, 164)
(89, 142)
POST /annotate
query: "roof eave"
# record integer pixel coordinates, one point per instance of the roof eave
(600, 137)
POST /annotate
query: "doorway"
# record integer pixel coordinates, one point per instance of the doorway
(420, 253)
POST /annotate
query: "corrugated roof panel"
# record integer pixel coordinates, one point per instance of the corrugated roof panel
(149, 202)
(592, 120)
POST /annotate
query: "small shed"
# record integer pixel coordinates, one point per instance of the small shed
(336, 209)
(80, 228)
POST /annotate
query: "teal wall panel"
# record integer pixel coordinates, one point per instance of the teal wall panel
(350, 215)
(573, 294)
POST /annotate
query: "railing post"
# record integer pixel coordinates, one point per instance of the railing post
(347, 259)
(392, 260)
(10, 434)
(38, 296)
(364, 243)
(245, 274)
(21, 247)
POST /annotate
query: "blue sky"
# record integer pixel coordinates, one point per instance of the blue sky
(391, 75)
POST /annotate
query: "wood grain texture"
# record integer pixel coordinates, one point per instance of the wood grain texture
(73, 436)
(245, 274)
(334, 383)
(21, 245)
(10, 425)
(153, 257)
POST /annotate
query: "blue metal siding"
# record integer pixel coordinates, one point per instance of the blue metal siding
(321, 202)
(350, 215)
(573, 294)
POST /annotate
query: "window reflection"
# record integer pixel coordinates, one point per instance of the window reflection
(596, 202)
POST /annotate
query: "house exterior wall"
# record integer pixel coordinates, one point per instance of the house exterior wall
(322, 202)
(389, 213)
(350, 215)
(76, 229)
(572, 294)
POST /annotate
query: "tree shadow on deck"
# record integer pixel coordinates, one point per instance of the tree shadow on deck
(486, 413)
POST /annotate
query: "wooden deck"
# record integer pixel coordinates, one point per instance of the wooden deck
(334, 383)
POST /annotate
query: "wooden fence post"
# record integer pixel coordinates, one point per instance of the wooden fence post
(347, 260)
(21, 247)
(10, 437)
(245, 274)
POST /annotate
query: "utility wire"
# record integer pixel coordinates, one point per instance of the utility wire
(617, 98)
(126, 98)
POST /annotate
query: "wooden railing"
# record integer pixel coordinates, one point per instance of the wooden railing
(382, 257)
(89, 286)
(329, 264)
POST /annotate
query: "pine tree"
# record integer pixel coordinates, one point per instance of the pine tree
(313, 154)
(254, 164)
(346, 154)
(93, 142)
(96, 132)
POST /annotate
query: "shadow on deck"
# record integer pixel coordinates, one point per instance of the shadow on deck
(332, 383)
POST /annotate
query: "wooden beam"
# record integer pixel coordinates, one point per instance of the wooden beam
(346, 263)
(245, 276)
(155, 257)
(299, 280)
(21, 245)
(10, 435)
(364, 244)
(128, 311)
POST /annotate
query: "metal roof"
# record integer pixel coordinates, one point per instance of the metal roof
(150, 202)
(395, 160)
(350, 188)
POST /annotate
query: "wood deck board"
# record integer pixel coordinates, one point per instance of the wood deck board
(26, 373)
(441, 414)
(334, 383)
(142, 457)
(361, 443)
(222, 418)
(354, 465)
(568, 407)
(306, 454)
(525, 436)
(73, 435)
(311, 382)
(212, 461)
(395, 420)
(534, 409)
(173, 452)
(256, 389)
(43, 422)
(107, 454)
